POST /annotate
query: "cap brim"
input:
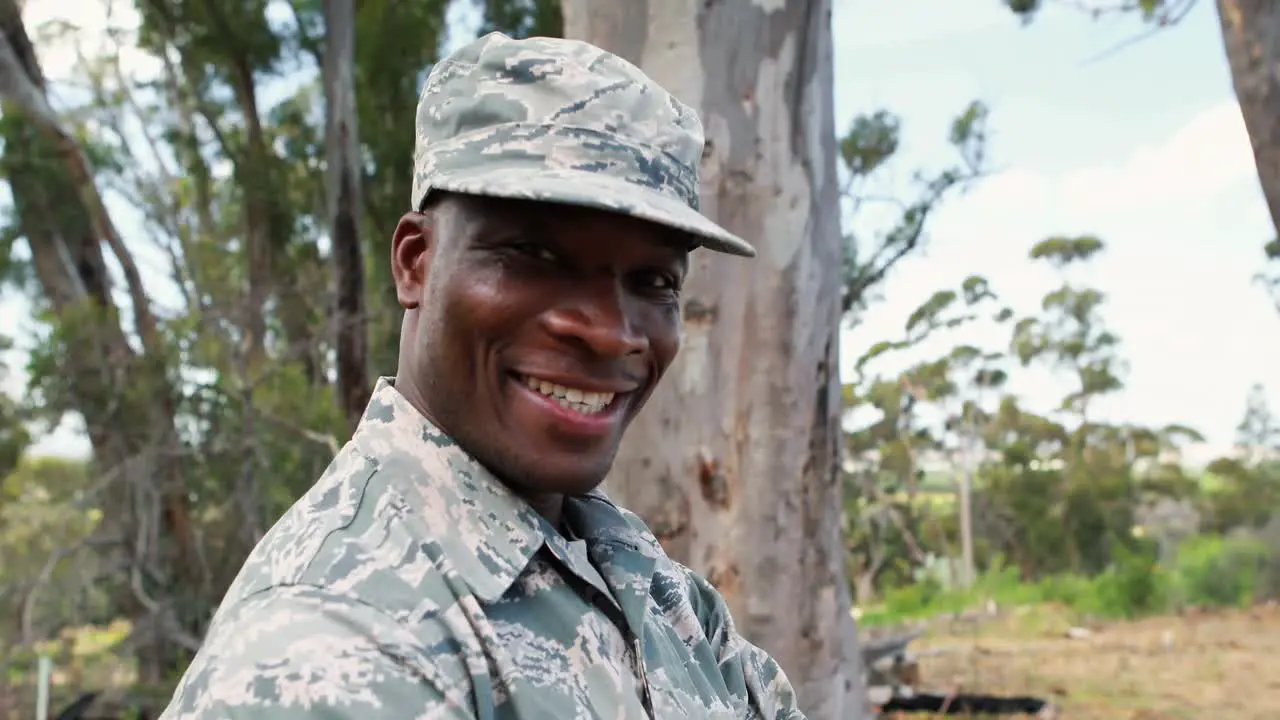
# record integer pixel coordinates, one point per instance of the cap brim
(593, 190)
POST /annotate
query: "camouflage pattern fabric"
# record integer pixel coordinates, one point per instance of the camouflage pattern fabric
(410, 583)
(562, 121)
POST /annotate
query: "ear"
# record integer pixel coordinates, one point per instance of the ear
(412, 247)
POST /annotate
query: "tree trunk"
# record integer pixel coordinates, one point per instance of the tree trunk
(734, 462)
(123, 395)
(1251, 34)
(968, 566)
(254, 172)
(344, 206)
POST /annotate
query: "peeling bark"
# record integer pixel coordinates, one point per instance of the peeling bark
(1251, 35)
(734, 461)
(344, 205)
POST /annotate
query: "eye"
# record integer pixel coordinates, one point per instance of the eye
(659, 281)
(534, 250)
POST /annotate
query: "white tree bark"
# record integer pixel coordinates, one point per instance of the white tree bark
(1251, 35)
(734, 463)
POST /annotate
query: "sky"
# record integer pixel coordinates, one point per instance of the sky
(1143, 147)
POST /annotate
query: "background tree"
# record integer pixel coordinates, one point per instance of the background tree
(890, 453)
(199, 351)
(15, 437)
(89, 358)
(188, 222)
(1251, 35)
(754, 508)
(343, 196)
(1069, 336)
(1250, 483)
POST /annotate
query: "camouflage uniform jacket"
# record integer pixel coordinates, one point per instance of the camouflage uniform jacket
(409, 583)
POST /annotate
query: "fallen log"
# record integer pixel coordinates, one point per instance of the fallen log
(970, 704)
(893, 673)
(77, 709)
(95, 706)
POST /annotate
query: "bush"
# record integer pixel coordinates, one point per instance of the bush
(920, 599)
(1220, 572)
(1134, 585)
(1074, 591)
(1209, 571)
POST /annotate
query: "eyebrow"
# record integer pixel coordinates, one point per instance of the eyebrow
(536, 217)
(678, 239)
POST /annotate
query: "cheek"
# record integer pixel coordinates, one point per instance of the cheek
(481, 306)
(449, 315)
(664, 335)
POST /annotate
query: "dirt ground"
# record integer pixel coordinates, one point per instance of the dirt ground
(1194, 666)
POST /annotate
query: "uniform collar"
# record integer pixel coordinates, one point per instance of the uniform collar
(487, 532)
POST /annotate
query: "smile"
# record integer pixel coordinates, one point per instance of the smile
(586, 402)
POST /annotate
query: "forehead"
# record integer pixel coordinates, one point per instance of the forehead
(557, 220)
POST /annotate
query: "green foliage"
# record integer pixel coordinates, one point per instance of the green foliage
(1134, 585)
(14, 434)
(85, 657)
(1209, 572)
(523, 18)
(1160, 12)
(45, 520)
(213, 36)
(1069, 334)
(1214, 571)
(1244, 495)
(867, 148)
(1063, 251)
(1057, 495)
(45, 213)
(232, 191)
(870, 141)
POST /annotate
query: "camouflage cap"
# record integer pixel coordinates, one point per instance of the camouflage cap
(566, 122)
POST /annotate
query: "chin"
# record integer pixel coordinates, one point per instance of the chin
(568, 479)
(565, 474)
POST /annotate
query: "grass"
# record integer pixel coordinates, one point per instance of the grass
(1190, 666)
(1208, 572)
(1182, 642)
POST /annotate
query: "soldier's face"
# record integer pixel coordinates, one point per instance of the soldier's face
(541, 331)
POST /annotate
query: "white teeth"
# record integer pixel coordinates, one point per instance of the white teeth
(583, 401)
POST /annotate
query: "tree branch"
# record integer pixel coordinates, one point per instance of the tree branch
(18, 85)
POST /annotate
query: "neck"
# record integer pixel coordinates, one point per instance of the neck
(550, 507)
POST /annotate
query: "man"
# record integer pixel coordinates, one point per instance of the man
(456, 559)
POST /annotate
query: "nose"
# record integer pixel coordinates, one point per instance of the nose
(599, 316)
